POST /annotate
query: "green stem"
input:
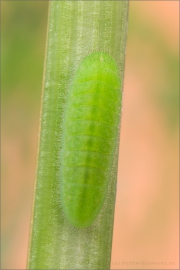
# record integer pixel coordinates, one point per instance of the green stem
(76, 28)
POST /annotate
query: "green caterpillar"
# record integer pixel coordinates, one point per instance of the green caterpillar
(89, 138)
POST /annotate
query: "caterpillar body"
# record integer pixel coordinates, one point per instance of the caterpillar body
(89, 138)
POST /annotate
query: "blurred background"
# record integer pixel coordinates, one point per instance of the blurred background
(146, 234)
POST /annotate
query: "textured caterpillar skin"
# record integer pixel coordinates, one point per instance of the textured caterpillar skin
(89, 138)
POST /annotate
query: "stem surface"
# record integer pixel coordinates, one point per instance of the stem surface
(75, 29)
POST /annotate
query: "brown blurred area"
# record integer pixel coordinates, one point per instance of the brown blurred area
(146, 229)
(146, 234)
(23, 36)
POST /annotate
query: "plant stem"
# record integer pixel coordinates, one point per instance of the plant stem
(75, 29)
